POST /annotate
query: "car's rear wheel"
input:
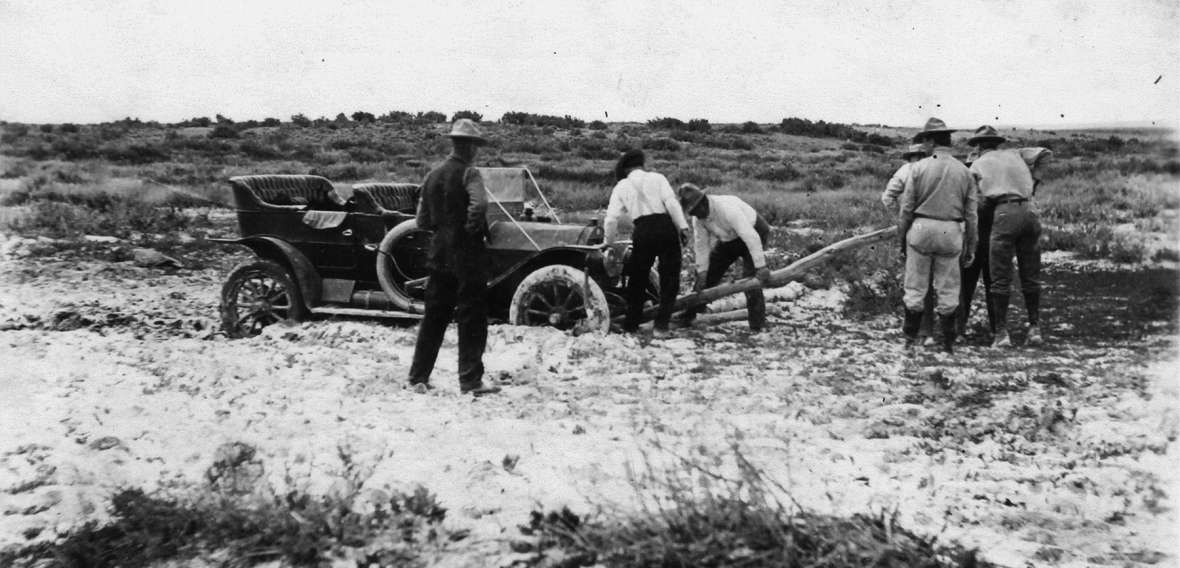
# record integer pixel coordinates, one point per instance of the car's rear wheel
(560, 296)
(258, 294)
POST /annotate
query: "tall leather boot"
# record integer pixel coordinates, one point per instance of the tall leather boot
(948, 323)
(1032, 302)
(909, 327)
(1000, 307)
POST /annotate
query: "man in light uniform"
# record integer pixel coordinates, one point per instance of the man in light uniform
(889, 198)
(725, 228)
(1006, 186)
(937, 226)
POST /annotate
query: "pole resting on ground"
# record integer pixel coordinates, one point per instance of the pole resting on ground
(795, 271)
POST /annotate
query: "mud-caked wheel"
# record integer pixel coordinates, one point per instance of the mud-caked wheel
(560, 296)
(257, 294)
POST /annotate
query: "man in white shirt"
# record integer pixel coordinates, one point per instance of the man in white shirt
(660, 230)
(725, 228)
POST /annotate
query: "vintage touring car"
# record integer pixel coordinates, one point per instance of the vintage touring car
(323, 250)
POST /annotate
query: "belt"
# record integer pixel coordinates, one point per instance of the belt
(921, 216)
(1003, 200)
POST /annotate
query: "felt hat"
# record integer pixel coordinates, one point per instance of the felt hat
(690, 196)
(985, 133)
(633, 158)
(467, 128)
(914, 150)
(933, 126)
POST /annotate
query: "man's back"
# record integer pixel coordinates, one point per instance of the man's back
(939, 187)
(1003, 172)
(446, 209)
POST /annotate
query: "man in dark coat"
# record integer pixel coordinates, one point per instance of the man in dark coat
(454, 206)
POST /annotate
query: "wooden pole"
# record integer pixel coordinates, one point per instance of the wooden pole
(794, 271)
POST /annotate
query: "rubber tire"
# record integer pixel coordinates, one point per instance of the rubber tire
(296, 311)
(597, 308)
(385, 268)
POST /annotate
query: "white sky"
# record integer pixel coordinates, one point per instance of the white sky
(1026, 62)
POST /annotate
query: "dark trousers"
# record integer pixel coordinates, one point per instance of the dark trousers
(655, 237)
(980, 268)
(465, 298)
(1016, 232)
(722, 256)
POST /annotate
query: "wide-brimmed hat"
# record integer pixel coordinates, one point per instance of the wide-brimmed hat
(467, 128)
(690, 196)
(631, 159)
(985, 133)
(933, 126)
(914, 150)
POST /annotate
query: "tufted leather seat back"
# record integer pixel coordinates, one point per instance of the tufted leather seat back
(286, 190)
(379, 197)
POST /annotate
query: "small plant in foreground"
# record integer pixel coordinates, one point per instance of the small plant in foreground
(292, 526)
(703, 517)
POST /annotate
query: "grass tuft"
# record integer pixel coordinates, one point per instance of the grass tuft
(703, 515)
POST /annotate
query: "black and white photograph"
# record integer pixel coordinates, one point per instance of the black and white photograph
(575, 283)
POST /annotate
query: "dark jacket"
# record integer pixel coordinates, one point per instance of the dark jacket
(454, 205)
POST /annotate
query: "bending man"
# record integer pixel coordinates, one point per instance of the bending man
(725, 228)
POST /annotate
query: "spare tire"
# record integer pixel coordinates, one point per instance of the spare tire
(387, 268)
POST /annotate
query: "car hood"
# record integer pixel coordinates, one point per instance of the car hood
(506, 235)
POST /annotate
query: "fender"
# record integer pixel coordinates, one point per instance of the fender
(280, 251)
(572, 255)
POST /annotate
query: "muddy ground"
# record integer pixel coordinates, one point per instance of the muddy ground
(113, 375)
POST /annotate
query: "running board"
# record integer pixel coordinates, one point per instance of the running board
(361, 312)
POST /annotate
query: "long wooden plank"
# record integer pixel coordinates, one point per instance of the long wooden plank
(781, 277)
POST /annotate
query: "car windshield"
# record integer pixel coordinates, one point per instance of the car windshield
(516, 193)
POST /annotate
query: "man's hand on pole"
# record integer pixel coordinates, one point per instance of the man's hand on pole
(763, 275)
(683, 237)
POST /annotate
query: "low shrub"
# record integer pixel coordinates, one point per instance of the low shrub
(704, 515)
(224, 131)
(751, 127)
(103, 214)
(667, 144)
(475, 116)
(293, 528)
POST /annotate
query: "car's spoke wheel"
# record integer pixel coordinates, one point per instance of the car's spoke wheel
(560, 296)
(258, 294)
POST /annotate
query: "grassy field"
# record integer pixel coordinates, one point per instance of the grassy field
(1097, 180)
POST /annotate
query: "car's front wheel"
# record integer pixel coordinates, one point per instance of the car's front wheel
(257, 294)
(560, 296)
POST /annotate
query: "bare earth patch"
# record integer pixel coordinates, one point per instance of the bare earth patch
(113, 376)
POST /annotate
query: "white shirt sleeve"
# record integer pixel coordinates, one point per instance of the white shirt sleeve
(614, 209)
(672, 204)
(701, 244)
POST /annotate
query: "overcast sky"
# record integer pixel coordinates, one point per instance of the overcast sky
(1022, 62)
